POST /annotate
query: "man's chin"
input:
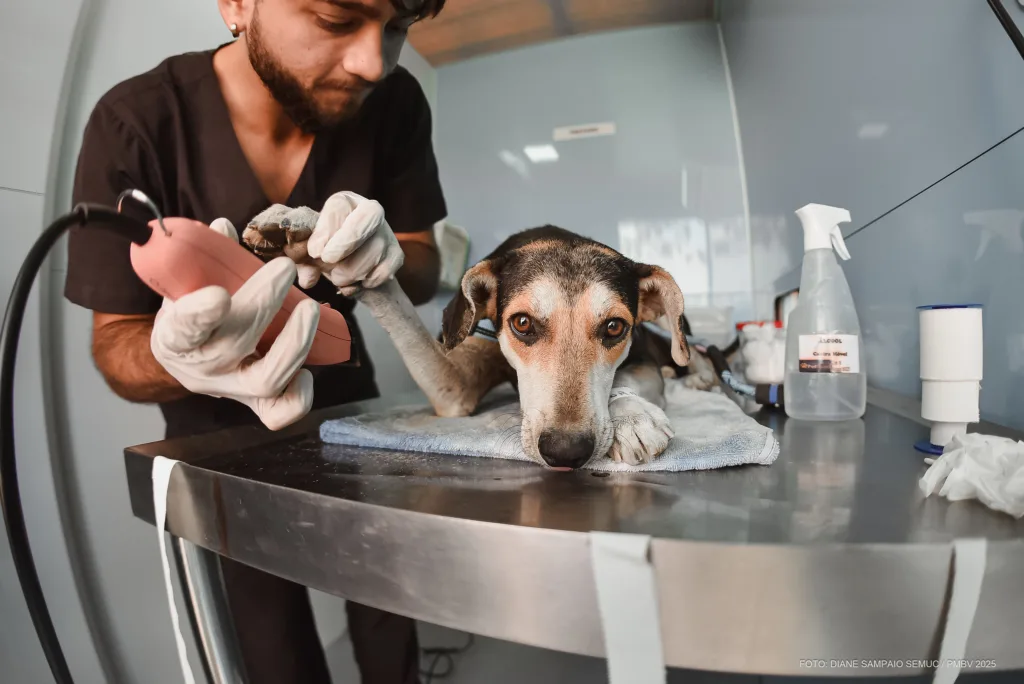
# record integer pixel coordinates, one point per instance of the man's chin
(342, 105)
(322, 120)
(321, 114)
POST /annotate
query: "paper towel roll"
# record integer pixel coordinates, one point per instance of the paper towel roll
(950, 402)
(951, 343)
(943, 433)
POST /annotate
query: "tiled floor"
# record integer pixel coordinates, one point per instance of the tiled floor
(490, 661)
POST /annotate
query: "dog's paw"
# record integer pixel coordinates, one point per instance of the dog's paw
(280, 230)
(701, 375)
(283, 231)
(642, 430)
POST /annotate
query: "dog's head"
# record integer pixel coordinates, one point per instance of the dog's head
(565, 309)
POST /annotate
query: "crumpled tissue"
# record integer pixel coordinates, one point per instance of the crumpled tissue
(983, 467)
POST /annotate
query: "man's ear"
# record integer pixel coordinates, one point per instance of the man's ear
(660, 296)
(238, 12)
(478, 299)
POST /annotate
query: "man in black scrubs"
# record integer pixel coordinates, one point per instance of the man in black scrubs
(309, 102)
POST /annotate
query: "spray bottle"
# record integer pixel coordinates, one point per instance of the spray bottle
(825, 375)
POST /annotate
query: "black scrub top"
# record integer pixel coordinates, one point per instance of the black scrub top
(167, 132)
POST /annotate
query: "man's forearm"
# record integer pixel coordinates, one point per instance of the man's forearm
(122, 354)
(421, 272)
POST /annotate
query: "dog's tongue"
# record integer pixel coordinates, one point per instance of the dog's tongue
(561, 470)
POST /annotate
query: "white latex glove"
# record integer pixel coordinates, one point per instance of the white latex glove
(207, 341)
(983, 467)
(352, 244)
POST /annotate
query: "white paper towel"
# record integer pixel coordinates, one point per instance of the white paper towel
(951, 368)
(162, 469)
(951, 343)
(627, 600)
(969, 557)
(983, 467)
(950, 402)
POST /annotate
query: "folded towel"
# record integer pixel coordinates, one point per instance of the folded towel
(711, 432)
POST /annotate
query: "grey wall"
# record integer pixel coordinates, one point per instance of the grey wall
(863, 104)
(670, 176)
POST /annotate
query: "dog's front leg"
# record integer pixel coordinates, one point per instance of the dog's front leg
(642, 430)
(455, 382)
(643, 378)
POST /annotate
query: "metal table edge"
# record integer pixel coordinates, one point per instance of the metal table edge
(143, 510)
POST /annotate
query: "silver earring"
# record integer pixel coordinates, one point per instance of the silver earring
(234, 30)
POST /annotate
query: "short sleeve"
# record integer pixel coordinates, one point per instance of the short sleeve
(409, 184)
(112, 158)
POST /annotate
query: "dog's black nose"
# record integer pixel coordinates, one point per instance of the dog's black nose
(565, 449)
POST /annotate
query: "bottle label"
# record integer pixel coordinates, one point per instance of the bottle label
(829, 354)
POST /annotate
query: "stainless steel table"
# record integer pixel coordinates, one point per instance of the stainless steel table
(830, 554)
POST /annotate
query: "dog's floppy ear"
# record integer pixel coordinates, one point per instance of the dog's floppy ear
(477, 299)
(660, 296)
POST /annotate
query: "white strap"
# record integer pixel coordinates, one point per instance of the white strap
(627, 600)
(968, 573)
(162, 468)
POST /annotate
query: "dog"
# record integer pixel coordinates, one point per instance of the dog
(568, 316)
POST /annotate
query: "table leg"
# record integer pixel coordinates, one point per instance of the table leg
(207, 603)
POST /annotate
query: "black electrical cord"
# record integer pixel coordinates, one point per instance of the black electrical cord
(1008, 25)
(10, 496)
(446, 655)
(771, 395)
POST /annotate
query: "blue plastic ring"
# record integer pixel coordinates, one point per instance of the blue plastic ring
(927, 447)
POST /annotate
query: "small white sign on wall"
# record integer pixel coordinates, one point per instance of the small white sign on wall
(584, 131)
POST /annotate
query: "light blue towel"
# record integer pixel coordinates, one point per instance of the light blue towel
(711, 432)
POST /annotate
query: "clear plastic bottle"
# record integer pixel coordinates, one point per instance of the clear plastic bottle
(825, 374)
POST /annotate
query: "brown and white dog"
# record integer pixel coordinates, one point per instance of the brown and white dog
(566, 312)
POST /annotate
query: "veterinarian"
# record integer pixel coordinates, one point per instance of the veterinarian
(306, 103)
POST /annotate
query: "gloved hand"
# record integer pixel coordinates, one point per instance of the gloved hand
(349, 241)
(207, 341)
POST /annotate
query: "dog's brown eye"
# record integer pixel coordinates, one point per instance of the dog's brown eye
(615, 327)
(522, 324)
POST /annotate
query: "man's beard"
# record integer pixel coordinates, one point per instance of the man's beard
(298, 103)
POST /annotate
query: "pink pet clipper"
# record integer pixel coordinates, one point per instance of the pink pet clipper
(188, 256)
